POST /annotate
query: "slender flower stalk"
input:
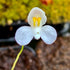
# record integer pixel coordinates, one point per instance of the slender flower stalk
(14, 64)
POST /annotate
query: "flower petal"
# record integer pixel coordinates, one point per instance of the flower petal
(23, 35)
(48, 34)
(37, 12)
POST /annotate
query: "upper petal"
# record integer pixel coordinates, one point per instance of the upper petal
(23, 35)
(48, 34)
(37, 12)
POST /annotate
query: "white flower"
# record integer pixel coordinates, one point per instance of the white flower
(36, 19)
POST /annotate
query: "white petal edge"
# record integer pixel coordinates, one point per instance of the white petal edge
(36, 12)
(24, 35)
(48, 34)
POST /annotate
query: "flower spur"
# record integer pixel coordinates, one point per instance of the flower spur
(36, 20)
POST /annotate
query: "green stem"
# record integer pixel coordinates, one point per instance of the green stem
(14, 64)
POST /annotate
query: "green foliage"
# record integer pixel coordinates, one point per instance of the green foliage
(60, 11)
(12, 9)
(57, 12)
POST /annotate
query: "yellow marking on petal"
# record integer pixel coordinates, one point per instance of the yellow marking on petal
(34, 21)
(38, 20)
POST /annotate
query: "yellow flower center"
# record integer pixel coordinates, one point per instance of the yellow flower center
(36, 19)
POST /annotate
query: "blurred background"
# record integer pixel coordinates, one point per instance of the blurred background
(14, 10)
(37, 55)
